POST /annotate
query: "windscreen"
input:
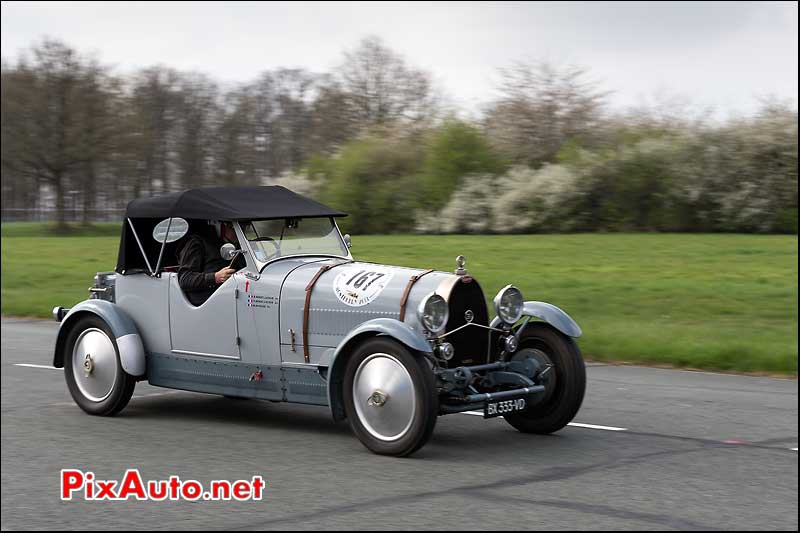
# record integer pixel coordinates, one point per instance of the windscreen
(272, 239)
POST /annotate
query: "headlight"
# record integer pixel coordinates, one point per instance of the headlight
(433, 313)
(508, 304)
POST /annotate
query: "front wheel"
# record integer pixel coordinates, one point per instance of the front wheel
(564, 386)
(92, 368)
(390, 397)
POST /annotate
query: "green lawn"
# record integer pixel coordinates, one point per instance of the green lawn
(725, 302)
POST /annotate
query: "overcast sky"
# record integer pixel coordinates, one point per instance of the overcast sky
(724, 55)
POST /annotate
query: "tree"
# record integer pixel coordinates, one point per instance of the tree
(454, 150)
(19, 191)
(287, 93)
(542, 106)
(195, 129)
(150, 139)
(373, 180)
(42, 136)
(236, 136)
(265, 126)
(331, 125)
(97, 118)
(380, 88)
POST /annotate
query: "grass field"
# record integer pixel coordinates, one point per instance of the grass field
(724, 302)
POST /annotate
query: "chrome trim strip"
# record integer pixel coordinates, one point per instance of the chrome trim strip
(341, 239)
(201, 354)
(326, 256)
(250, 258)
(290, 364)
(141, 248)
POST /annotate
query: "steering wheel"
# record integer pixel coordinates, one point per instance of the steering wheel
(273, 242)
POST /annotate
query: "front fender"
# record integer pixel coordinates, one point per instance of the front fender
(336, 362)
(129, 343)
(552, 315)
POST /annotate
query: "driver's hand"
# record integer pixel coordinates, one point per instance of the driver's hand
(222, 275)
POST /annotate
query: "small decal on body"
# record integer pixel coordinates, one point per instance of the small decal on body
(260, 301)
(360, 285)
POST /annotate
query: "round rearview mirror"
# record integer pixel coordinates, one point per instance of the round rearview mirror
(347, 240)
(228, 251)
(170, 230)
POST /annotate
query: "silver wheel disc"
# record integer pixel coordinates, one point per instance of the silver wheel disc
(94, 364)
(383, 394)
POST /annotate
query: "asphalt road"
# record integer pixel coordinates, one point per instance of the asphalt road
(699, 451)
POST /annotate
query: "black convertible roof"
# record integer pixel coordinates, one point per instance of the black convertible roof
(197, 205)
(230, 203)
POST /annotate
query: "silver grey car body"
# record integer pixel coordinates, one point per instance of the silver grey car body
(283, 329)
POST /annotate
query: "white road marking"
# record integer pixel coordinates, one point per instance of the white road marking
(474, 413)
(30, 365)
(48, 367)
(574, 424)
(592, 426)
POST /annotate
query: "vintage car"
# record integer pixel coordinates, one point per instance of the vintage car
(387, 348)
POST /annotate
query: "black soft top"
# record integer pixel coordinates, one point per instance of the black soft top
(230, 203)
(198, 206)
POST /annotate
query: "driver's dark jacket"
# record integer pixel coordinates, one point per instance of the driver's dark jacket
(198, 260)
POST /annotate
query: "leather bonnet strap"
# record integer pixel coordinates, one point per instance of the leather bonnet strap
(309, 288)
(404, 299)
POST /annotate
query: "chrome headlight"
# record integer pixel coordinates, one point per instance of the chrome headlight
(508, 304)
(433, 313)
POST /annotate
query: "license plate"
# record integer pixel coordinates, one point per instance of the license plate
(493, 409)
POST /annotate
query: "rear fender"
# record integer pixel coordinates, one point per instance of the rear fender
(129, 343)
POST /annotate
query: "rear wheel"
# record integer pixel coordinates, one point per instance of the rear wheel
(390, 397)
(565, 386)
(92, 368)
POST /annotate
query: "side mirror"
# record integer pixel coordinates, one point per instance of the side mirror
(228, 251)
(347, 241)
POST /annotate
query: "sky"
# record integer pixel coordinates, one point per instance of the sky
(723, 56)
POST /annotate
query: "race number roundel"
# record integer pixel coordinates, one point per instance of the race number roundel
(357, 286)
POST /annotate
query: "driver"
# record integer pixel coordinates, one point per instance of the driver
(201, 269)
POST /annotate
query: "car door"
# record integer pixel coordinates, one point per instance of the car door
(209, 330)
